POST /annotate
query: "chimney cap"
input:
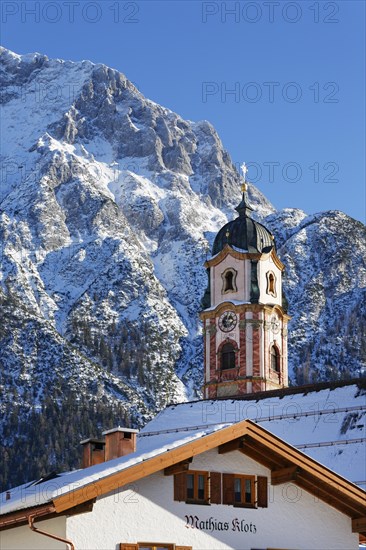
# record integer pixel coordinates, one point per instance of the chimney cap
(119, 429)
(91, 440)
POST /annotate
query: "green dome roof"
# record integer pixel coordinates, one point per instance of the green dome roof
(244, 233)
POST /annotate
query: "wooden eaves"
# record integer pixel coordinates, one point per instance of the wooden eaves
(286, 463)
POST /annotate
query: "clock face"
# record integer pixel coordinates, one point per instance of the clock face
(227, 321)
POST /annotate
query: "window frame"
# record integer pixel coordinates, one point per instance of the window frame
(271, 284)
(275, 357)
(242, 503)
(231, 353)
(213, 488)
(195, 499)
(259, 490)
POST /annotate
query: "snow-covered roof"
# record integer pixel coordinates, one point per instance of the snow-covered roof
(327, 425)
(35, 494)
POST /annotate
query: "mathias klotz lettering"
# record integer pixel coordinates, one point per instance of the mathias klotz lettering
(212, 524)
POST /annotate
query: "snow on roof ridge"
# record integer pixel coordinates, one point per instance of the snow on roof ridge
(305, 413)
(186, 428)
(269, 394)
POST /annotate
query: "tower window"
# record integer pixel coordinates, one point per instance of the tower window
(229, 280)
(271, 283)
(227, 357)
(275, 359)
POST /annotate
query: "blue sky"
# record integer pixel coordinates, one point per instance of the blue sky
(282, 82)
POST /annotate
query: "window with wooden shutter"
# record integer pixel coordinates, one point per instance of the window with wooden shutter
(238, 490)
(199, 487)
(123, 546)
(262, 492)
(215, 488)
(192, 487)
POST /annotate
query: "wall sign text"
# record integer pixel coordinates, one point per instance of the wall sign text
(212, 524)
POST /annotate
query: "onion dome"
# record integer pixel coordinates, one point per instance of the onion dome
(244, 233)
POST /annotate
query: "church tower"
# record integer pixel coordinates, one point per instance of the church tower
(244, 320)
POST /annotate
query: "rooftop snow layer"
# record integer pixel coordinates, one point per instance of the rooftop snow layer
(328, 425)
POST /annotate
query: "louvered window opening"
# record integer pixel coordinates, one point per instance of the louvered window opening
(227, 357)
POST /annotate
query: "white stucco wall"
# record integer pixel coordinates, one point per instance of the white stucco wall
(23, 537)
(147, 512)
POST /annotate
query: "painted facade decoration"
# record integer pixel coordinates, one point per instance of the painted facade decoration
(245, 322)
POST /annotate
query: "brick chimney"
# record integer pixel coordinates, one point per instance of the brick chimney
(119, 442)
(93, 452)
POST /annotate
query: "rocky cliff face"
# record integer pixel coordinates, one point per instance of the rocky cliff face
(325, 283)
(109, 204)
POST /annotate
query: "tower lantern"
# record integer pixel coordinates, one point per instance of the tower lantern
(244, 321)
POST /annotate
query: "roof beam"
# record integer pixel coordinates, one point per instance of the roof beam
(258, 457)
(263, 456)
(328, 494)
(359, 525)
(178, 468)
(284, 475)
(233, 445)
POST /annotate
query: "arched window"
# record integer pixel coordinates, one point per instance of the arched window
(271, 283)
(227, 357)
(229, 280)
(275, 359)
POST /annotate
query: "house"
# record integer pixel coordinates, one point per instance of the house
(230, 485)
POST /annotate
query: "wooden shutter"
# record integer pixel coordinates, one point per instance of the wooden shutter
(215, 485)
(183, 547)
(123, 546)
(228, 488)
(262, 492)
(180, 491)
